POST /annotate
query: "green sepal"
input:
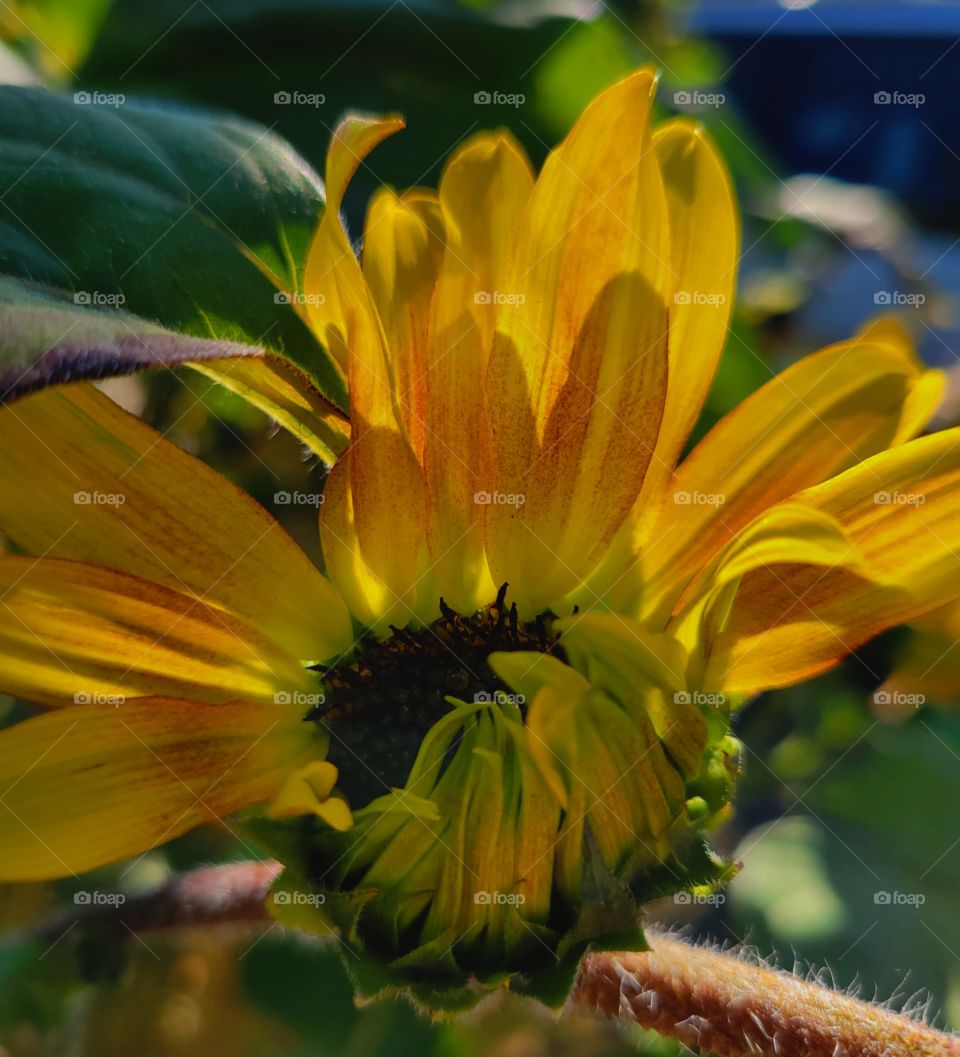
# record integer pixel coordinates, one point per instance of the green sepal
(694, 865)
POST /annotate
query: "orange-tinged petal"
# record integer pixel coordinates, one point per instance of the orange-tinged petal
(372, 600)
(384, 483)
(578, 372)
(704, 249)
(787, 534)
(83, 787)
(378, 516)
(402, 250)
(483, 192)
(704, 253)
(899, 508)
(72, 633)
(115, 493)
(815, 419)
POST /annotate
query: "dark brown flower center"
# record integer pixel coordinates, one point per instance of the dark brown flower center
(378, 708)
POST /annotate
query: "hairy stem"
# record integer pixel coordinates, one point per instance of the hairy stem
(732, 1007)
(704, 998)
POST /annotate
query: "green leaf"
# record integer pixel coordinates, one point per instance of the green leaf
(193, 222)
(46, 339)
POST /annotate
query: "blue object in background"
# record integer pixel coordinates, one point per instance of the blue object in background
(828, 88)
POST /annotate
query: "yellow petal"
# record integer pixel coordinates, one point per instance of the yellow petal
(378, 518)
(705, 246)
(115, 493)
(528, 673)
(613, 775)
(338, 302)
(483, 192)
(598, 642)
(307, 792)
(373, 600)
(900, 509)
(704, 252)
(786, 535)
(72, 633)
(578, 371)
(83, 787)
(384, 486)
(928, 388)
(353, 139)
(278, 388)
(645, 671)
(402, 250)
(818, 417)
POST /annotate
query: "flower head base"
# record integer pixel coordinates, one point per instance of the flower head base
(537, 818)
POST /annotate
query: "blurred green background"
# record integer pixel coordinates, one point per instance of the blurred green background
(846, 819)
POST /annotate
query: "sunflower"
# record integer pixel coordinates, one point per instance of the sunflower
(499, 722)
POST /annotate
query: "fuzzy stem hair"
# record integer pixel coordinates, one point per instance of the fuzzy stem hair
(731, 1007)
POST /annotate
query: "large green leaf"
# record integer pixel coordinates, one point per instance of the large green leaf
(190, 221)
(47, 338)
